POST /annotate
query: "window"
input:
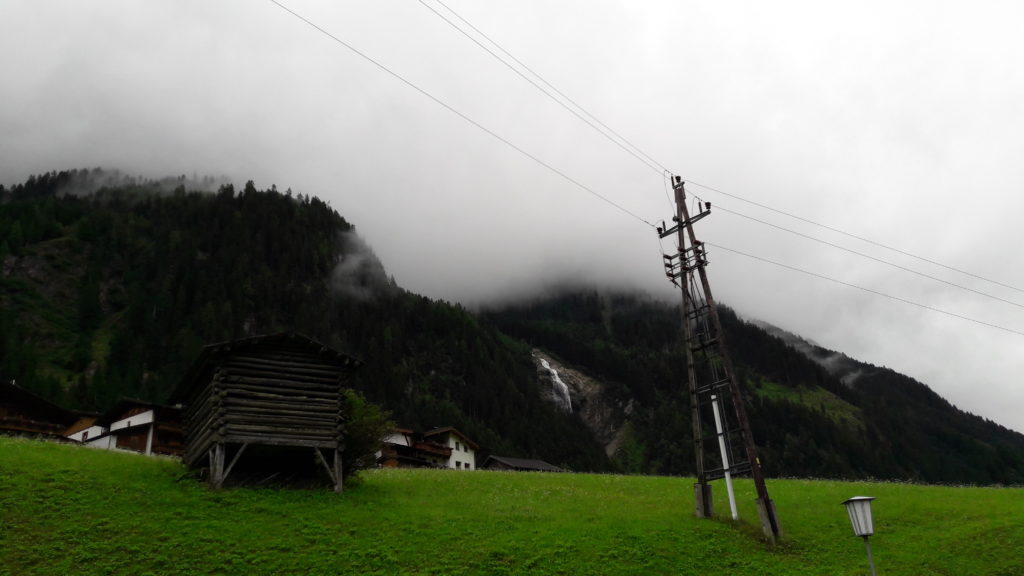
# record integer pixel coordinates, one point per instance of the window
(457, 447)
(468, 466)
(85, 436)
(458, 465)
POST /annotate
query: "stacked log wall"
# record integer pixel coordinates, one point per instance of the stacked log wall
(274, 395)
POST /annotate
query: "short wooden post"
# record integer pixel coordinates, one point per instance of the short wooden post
(337, 471)
(703, 503)
(217, 472)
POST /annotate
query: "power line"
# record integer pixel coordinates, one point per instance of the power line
(870, 257)
(869, 290)
(640, 155)
(856, 237)
(649, 161)
(460, 114)
(619, 140)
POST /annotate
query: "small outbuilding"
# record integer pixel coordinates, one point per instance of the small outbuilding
(519, 464)
(281, 390)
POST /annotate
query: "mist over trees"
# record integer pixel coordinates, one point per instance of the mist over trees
(110, 286)
(113, 293)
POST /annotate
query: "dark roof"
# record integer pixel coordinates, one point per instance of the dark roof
(453, 430)
(28, 412)
(524, 464)
(211, 352)
(116, 412)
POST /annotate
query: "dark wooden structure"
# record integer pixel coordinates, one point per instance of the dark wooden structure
(519, 464)
(282, 390)
(22, 413)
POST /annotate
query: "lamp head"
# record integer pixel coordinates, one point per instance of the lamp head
(859, 509)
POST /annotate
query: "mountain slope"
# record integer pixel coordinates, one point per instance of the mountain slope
(112, 293)
(110, 285)
(813, 412)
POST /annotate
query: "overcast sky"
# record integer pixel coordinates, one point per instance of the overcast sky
(901, 122)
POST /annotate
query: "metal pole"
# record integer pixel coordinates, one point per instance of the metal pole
(725, 458)
(871, 561)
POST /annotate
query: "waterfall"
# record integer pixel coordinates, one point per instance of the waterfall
(560, 391)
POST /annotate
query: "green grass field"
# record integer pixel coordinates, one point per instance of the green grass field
(72, 510)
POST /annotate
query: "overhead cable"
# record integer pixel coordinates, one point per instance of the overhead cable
(604, 129)
(870, 257)
(869, 290)
(649, 161)
(448, 107)
(856, 237)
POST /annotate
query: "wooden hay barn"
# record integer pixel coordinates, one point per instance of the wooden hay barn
(280, 390)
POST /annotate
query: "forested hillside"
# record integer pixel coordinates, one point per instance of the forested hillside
(110, 285)
(805, 419)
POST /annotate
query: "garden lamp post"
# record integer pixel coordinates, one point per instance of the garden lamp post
(859, 509)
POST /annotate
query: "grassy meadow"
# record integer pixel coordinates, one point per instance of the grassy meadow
(73, 510)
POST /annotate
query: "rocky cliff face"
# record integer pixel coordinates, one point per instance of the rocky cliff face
(576, 392)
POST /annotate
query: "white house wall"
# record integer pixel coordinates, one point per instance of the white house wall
(88, 433)
(463, 456)
(103, 442)
(104, 439)
(133, 421)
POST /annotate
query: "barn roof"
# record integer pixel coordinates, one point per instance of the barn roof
(209, 355)
(524, 464)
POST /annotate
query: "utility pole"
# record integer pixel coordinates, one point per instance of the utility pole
(712, 380)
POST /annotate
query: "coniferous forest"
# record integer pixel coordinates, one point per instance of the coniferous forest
(110, 285)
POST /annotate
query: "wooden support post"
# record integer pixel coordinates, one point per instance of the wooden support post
(687, 266)
(149, 438)
(337, 471)
(704, 506)
(217, 466)
(769, 520)
(332, 471)
(768, 517)
(234, 461)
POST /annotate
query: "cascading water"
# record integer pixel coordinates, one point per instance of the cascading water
(560, 390)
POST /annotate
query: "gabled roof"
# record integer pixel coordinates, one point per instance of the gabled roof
(524, 464)
(34, 406)
(210, 353)
(453, 430)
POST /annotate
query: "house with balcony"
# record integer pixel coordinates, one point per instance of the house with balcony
(439, 448)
